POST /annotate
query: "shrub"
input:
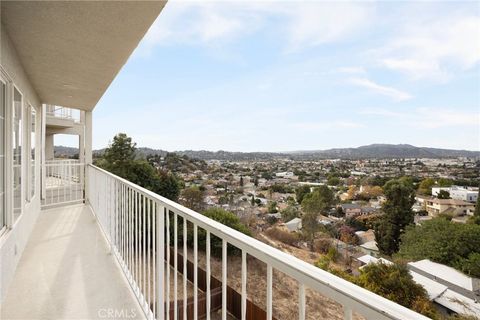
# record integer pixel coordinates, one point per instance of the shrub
(228, 219)
(322, 245)
(284, 236)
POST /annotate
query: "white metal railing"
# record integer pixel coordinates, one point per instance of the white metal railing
(62, 113)
(64, 182)
(138, 225)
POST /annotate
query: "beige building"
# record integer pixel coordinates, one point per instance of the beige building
(453, 207)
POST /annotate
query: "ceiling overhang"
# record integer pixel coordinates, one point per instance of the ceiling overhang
(72, 50)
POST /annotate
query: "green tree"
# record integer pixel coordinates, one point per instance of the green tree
(397, 214)
(226, 218)
(453, 244)
(300, 192)
(192, 198)
(395, 283)
(241, 181)
(310, 227)
(333, 181)
(425, 187)
(272, 207)
(290, 213)
(443, 194)
(318, 201)
(119, 155)
(444, 182)
(119, 159)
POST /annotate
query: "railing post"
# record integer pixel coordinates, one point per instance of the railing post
(160, 258)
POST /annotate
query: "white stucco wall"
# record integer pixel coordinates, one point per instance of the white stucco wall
(13, 241)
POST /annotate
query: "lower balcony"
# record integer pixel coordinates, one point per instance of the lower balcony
(129, 253)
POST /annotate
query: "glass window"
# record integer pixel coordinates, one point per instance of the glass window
(17, 154)
(3, 103)
(32, 152)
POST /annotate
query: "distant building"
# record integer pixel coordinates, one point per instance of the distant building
(368, 259)
(468, 194)
(370, 248)
(286, 174)
(351, 209)
(294, 225)
(453, 207)
(365, 236)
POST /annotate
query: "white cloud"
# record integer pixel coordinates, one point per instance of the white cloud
(393, 93)
(305, 24)
(432, 48)
(316, 23)
(352, 70)
(428, 118)
(380, 112)
(323, 126)
(433, 118)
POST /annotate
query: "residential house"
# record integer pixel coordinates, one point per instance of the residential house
(447, 287)
(453, 207)
(351, 209)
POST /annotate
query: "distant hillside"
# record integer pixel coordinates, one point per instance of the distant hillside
(381, 151)
(373, 151)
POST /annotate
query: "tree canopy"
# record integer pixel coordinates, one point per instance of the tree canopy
(395, 283)
(300, 192)
(119, 159)
(400, 195)
(318, 201)
(453, 244)
(226, 218)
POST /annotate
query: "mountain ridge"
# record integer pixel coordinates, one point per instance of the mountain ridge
(371, 151)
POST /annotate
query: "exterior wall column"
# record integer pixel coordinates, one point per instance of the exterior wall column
(88, 137)
(49, 147)
(88, 150)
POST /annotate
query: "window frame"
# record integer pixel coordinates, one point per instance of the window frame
(22, 141)
(32, 156)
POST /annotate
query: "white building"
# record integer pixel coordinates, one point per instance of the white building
(468, 194)
(286, 174)
(294, 225)
(447, 287)
(85, 243)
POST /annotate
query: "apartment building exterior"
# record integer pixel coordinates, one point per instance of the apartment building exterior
(468, 194)
(454, 207)
(79, 242)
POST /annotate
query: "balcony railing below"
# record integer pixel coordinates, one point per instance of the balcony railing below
(146, 234)
(64, 182)
(58, 112)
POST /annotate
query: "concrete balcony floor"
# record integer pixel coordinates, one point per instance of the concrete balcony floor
(67, 272)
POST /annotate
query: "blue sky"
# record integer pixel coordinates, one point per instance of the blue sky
(278, 76)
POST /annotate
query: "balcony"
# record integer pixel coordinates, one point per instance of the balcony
(61, 117)
(123, 252)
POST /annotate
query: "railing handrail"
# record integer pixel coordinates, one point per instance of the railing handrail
(59, 161)
(62, 113)
(361, 300)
